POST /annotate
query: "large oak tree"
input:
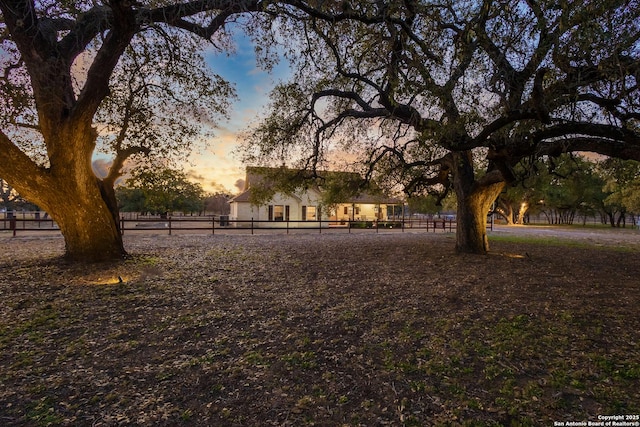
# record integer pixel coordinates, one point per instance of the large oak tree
(436, 84)
(77, 76)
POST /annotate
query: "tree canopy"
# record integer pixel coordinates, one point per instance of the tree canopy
(414, 97)
(160, 191)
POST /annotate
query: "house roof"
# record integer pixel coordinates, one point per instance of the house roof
(266, 176)
(245, 197)
(242, 197)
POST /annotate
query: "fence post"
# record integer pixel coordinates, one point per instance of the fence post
(213, 224)
(122, 225)
(13, 225)
(320, 226)
(252, 225)
(287, 226)
(169, 218)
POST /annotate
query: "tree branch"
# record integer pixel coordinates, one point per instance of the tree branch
(86, 28)
(174, 14)
(116, 41)
(115, 171)
(18, 168)
(612, 148)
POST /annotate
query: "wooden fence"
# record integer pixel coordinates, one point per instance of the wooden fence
(16, 224)
(216, 224)
(223, 223)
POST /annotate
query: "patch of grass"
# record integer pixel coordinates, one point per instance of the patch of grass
(303, 360)
(43, 412)
(23, 359)
(165, 375)
(186, 415)
(617, 370)
(255, 358)
(561, 242)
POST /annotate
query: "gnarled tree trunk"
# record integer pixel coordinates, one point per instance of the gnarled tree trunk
(70, 192)
(524, 208)
(474, 201)
(505, 210)
(83, 206)
(88, 223)
(91, 232)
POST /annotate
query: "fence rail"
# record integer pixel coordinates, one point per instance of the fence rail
(213, 224)
(16, 224)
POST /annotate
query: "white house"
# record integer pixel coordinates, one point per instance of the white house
(303, 207)
(368, 208)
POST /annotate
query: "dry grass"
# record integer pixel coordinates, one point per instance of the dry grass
(367, 329)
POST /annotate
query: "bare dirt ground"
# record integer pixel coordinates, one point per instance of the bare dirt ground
(328, 330)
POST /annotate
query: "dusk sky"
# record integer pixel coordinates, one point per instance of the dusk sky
(218, 164)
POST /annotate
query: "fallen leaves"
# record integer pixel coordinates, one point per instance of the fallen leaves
(386, 329)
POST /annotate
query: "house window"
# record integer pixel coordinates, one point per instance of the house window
(309, 213)
(346, 210)
(278, 212)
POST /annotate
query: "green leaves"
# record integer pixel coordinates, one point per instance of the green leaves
(622, 182)
(162, 72)
(160, 190)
